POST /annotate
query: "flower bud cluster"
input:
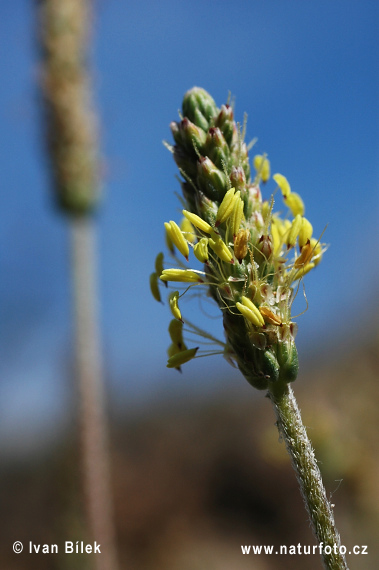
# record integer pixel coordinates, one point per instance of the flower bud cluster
(253, 257)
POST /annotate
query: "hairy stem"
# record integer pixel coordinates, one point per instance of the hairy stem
(303, 459)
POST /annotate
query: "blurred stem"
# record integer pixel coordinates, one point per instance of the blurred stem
(93, 432)
(303, 459)
(71, 134)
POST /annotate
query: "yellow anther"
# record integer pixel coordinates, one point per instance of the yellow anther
(175, 330)
(169, 242)
(226, 207)
(262, 166)
(305, 256)
(270, 317)
(221, 249)
(181, 276)
(177, 238)
(237, 215)
(159, 263)
(198, 222)
(181, 357)
(201, 250)
(305, 233)
(284, 227)
(303, 271)
(316, 250)
(276, 239)
(295, 204)
(266, 209)
(294, 231)
(283, 184)
(250, 312)
(173, 301)
(188, 230)
(253, 308)
(240, 244)
(154, 287)
(173, 349)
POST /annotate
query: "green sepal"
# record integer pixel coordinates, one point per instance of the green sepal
(225, 122)
(216, 148)
(185, 163)
(211, 180)
(286, 353)
(192, 136)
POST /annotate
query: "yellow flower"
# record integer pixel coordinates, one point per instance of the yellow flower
(221, 249)
(262, 166)
(173, 302)
(305, 256)
(269, 316)
(317, 250)
(159, 263)
(201, 250)
(177, 238)
(240, 244)
(181, 357)
(182, 275)
(303, 271)
(188, 230)
(305, 233)
(294, 231)
(236, 216)
(197, 222)
(154, 287)
(295, 204)
(276, 239)
(226, 206)
(250, 312)
(283, 184)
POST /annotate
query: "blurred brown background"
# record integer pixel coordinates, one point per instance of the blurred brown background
(197, 478)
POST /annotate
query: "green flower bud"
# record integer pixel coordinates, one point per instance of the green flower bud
(186, 163)
(225, 122)
(238, 178)
(245, 160)
(265, 247)
(191, 136)
(212, 181)
(216, 148)
(240, 157)
(199, 107)
(174, 126)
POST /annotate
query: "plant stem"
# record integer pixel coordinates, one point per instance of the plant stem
(303, 459)
(93, 432)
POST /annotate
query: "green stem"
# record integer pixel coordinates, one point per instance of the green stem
(303, 459)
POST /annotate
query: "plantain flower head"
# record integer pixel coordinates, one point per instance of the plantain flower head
(252, 255)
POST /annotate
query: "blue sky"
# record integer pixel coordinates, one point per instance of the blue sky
(305, 73)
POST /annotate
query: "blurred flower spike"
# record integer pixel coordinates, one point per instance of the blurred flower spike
(252, 256)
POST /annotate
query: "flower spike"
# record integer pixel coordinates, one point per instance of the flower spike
(253, 256)
(229, 220)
